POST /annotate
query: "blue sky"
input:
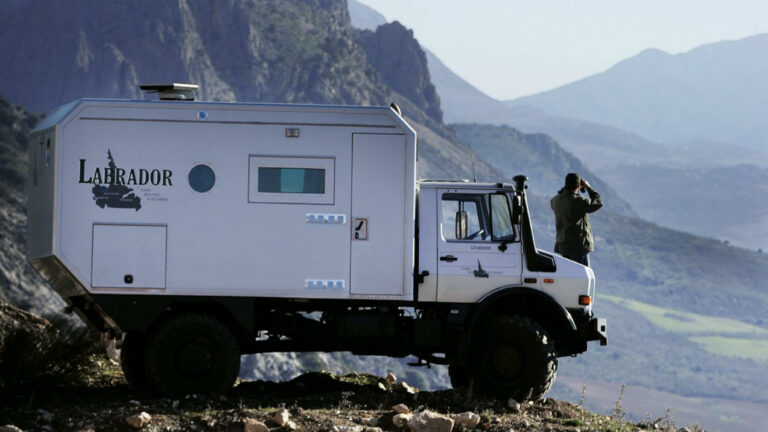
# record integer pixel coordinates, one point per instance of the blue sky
(511, 48)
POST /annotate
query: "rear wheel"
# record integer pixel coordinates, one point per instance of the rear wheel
(192, 353)
(513, 357)
(458, 375)
(132, 359)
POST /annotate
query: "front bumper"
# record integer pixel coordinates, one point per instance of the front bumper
(588, 328)
(597, 329)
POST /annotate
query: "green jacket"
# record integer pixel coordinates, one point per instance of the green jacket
(574, 235)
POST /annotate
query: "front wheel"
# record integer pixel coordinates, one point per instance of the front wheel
(513, 357)
(192, 353)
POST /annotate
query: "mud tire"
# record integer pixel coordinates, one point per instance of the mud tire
(132, 360)
(192, 353)
(513, 357)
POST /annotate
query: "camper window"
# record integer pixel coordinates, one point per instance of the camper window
(201, 178)
(291, 179)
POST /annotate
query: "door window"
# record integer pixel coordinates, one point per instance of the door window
(503, 230)
(471, 212)
(476, 218)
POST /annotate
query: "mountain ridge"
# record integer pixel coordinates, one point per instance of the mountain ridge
(713, 91)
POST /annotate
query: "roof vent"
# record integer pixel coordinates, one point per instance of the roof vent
(172, 91)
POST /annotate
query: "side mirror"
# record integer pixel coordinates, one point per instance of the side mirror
(461, 225)
(517, 209)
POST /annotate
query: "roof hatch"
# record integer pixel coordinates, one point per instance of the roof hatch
(172, 91)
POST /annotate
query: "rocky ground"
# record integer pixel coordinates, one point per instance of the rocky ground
(95, 397)
(312, 402)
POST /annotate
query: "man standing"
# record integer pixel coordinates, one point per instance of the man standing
(574, 235)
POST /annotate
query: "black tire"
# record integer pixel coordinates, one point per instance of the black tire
(513, 357)
(458, 375)
(192, 353)
(132, 360)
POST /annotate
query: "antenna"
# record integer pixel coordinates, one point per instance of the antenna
(472, 163)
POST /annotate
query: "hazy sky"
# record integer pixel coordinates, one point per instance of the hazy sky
(510, 48)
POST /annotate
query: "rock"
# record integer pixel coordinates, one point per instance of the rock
(10, 428)
(175, 404)
(137, 421)
(373, 421)
(382, 386)
(400, 420)
(427, 421)
(281, 417)
(134, 402)
(347, 429)
(398, 58)
(291, 425)
(390, 378)
(515, 407)
(45, 415)
(401, 409)
(683, 429)
(405, 387)
(468, 419)
(253, 425)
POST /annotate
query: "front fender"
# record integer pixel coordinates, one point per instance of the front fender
(517, 300)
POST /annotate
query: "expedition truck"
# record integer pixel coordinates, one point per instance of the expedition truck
(196, 232)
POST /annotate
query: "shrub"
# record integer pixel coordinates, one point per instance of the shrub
(36, 353)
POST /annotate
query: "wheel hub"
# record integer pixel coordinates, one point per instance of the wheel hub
(194, 359)
(507, 362)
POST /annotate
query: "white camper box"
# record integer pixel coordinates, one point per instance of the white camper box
(306, 201)
(191, 233)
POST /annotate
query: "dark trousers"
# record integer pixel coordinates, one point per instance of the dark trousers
(582, 259)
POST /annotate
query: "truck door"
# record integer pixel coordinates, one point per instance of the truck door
(478, 247)
(378, 215)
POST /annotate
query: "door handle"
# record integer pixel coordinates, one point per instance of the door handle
(449, 258)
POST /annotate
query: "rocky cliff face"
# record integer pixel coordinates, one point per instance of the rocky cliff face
(266, 51)
(402, 64)
(19, 284)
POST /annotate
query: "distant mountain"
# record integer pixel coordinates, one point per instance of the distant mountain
(537, 155)
(724, 202)
(626, 160)
(714, 92)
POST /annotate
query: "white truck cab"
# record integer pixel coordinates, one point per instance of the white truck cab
(194, 232)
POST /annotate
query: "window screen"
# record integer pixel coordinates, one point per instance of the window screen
(291, 180)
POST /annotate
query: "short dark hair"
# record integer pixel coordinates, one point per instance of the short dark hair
(572, 181)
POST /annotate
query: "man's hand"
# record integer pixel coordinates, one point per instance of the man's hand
(585, 184)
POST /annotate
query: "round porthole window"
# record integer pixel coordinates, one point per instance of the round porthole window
(201, 178)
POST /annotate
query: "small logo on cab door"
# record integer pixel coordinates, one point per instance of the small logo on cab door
(479, 272)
